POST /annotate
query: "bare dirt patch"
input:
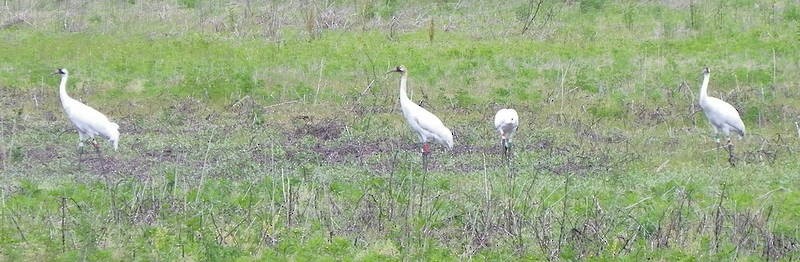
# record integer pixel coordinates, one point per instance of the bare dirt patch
(139, 166)
(324, 130)
(41, 154)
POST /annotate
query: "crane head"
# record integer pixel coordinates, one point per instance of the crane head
(400, 68)
(61, 71)
(706, 71)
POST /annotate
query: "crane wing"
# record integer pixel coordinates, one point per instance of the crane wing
(499, 119)
(88, 120)
(433, 127)
(735, 121)
(724, 113)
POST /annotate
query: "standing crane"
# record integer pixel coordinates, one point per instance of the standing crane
(506, 121)
(87, 120)
(427, 125)
(723, 116)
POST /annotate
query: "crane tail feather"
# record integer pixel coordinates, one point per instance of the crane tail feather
(739, 129)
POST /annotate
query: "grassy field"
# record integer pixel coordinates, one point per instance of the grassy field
(255, 131)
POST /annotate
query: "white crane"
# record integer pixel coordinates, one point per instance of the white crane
(87, 120)
(722, 116)
(427, 125)
(506, 121)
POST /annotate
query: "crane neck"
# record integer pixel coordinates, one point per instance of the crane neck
(403, 93)
(62, 89)
(704, 88)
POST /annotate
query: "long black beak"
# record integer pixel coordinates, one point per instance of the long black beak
(705, 71)
(396, 69)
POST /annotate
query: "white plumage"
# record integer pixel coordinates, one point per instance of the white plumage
(427, 125)
(506, 121)
(722, 116)
(87, 120)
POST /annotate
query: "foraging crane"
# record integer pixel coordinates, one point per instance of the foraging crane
(506, 121)
(722, 116)
(87, 120)
(427, 125)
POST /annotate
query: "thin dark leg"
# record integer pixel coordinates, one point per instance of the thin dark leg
(80, 149)
(80, 153)
(426, 150)
(508, 153)
(506, 148)
(425, 162)
(96, 147)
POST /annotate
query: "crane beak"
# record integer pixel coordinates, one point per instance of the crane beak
(705, 71)
(396, 69)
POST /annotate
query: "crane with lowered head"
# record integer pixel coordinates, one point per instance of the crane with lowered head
(506, 121)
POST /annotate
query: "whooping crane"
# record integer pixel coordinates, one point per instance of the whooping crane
(722, 116)
(506, 121)
(427, 125)
(87, 120)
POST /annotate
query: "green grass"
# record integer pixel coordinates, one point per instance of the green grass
(249, 133)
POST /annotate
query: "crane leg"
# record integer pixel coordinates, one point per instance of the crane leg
(96, 146)
(81, 139)
(81, 145)
(426, 150)
(80, 148)
(504, 143)
(719, 143)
